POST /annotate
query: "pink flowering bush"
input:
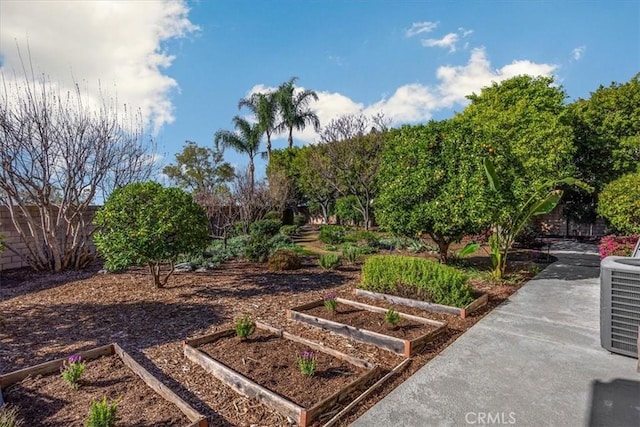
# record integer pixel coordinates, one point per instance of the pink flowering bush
(617, 245)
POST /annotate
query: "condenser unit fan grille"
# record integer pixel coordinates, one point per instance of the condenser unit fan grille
(625, 310)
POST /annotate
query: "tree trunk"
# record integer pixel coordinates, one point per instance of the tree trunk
(443, 248)
(290, 137)
(268, 145)
(251, 176)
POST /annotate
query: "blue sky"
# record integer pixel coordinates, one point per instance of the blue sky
(186, 64)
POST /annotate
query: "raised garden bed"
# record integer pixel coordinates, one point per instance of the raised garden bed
(476, 304)
(356, 320)
(44, 398)
(263, 367)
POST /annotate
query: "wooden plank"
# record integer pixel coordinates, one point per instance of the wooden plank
(319, 408)
(160, 388)
(198, 341)
(269, 328)
(395, 345)
(479, 302)
(424, 305)
(384, 311)
(52, 366)
(419, 343)
(242, 384)
(366, 393)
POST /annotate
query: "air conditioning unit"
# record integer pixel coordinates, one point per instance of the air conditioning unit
(620, 304)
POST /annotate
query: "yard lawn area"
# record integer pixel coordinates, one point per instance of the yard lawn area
(43, 317)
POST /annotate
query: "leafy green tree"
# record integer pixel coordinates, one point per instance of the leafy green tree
(246, 140)
(431, 183)
(264, 107)
(607, 139)
(309, 163)
(294, 109)
(199, 169)
(283, 178)
(520, 124)
(145, 223)
(346, 209)
(620, 203)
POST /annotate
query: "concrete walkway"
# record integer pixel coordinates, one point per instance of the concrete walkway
(534, 361)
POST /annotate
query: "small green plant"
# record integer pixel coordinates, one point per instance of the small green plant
(245, 327)
(9, 417)
(329, 261)
(289, 230)
(307, 362)
(331, 302)
(102, 413)
(351, 254)
(330, 248)
(392, 317)
(299, 220)
(72, 369)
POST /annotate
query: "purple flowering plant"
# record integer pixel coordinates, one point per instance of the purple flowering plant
(72, 369)
(330, 301)
(307, 362)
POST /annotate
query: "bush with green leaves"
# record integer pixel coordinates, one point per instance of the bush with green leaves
(329, 261)
(10, 416)
(257, 248)
(102, 414)
(431, 281)
(290, 230)
(619, 203)
(347, 210)
(392, 317)
(267, 227)
(332, 234)
(284, 259)
(299, 220)
(273, 215)
(280, 241)
(363, 238)
(351, 254)
(146, 223)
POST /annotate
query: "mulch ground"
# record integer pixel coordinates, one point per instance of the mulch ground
(43, 317)
(49, 401)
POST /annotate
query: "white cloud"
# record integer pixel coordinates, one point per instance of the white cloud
(115, 44)
(456, 82)
(420, 27)
(464, 32)
(578, 52)
(415, 102)
(448, 41)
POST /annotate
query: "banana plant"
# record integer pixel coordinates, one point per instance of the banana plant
(544, 199)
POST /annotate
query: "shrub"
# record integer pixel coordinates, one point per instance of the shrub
(267, 227)
(392, 317)
(146, 223)
(368, 250)
(330, 301)
(9, 416)
(617, 245)
(331, 248)
(432, 281)
(347, 210)
(619, 202)
(102, 414)
(329, 261)
(299, 220)
(289, 230)
(244, 327)
(307, 363)
(332, 234)
(257, 248)
(273, 215)
(284, 259)
(351, 254)
(280, 241)
(364, 238)
(72, 369)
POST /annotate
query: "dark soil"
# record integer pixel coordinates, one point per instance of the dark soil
(49, 401)
(371, 321)
(271, 362)
(45, 316)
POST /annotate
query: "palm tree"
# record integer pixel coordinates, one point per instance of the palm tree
(265, 109)
(294, 109)
(246, 139)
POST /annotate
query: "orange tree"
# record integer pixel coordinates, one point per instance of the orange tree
(146, 223)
